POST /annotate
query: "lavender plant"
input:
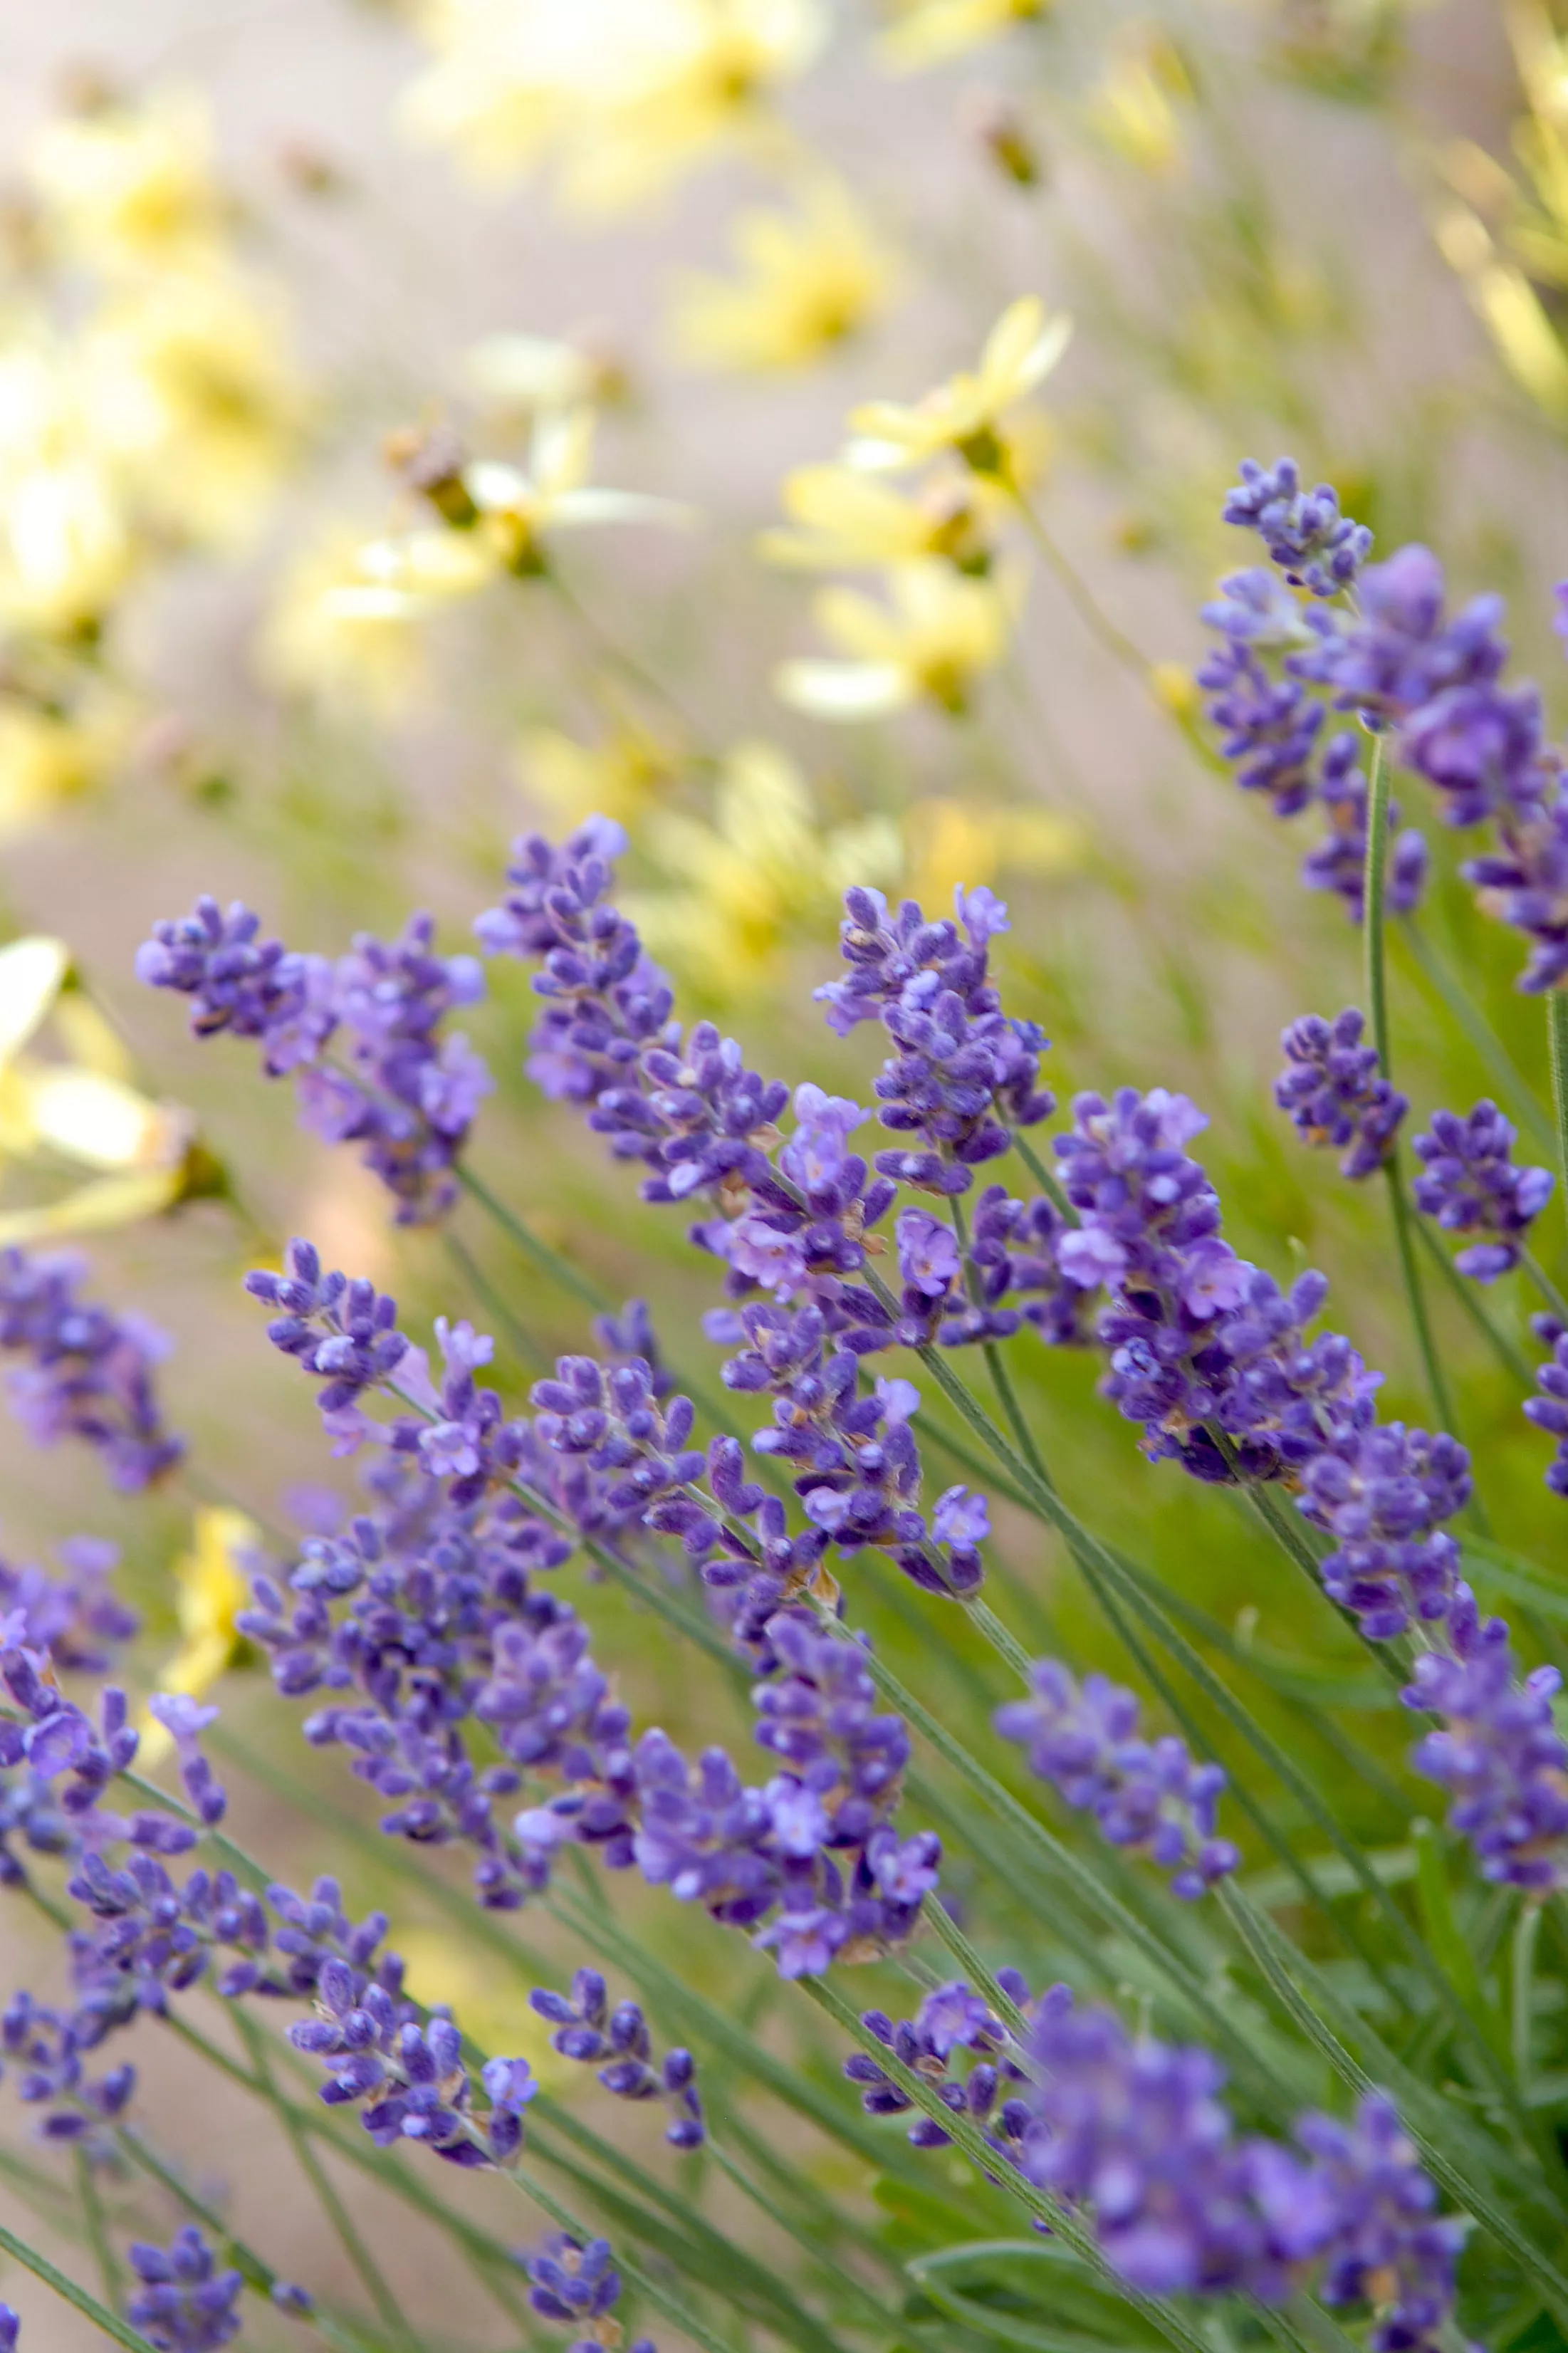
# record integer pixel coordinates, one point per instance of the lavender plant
(1184, 2045)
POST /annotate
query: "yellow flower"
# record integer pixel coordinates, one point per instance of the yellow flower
(623, 97)
(766, 874)
(212, 1586)
(517, 374)
(850, 521)
(83, 1109)
(927, 32)
(1135, 108)
(966, 413)
(938, 632)
(343, 623)
(575, 780)
(58, 753)
(967, 841)
(66, 542)
(518, 508)
(131, 185)
(808, 279)
(196, 396)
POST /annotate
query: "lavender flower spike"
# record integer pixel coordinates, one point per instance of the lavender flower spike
(88, 1373)
(1497, 1751)
(1315, 546)
(10, 2329)
(1146, 1795)
(1335, 1092)
(1469, 1184)
(185, 2305)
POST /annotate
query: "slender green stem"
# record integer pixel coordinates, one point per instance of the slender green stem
(550, 1262)
(119, 2331)
(1464, 1292)
(1108, 634)
(946, 1930)
(1373, 903)
(636, 672)
(322, 2182)
(1373, 927)
(1526, 1931)
(1557, 1053)
(1510, 1081)
(528, 1349)
(97, 2223)
(1547, 1288)
(1046, 1179)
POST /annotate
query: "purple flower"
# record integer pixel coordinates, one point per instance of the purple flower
(1146, 1795)
(618, 2042)
(404, 1090)
(75, 1617)
(1315, 546)
(1336, 1093)
(1469, 1184)
(10, 2329)
(185, 2304)
(87, 1373)
(185, 1721)
(928, 1256)
(1389, 2248)
(574, 2282)
(1497, 1750)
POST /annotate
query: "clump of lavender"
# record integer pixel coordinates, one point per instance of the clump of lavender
(1469, 1184)
(619, 2043)
(574, 2282)
(362, 1037)
(83, 1371)
(1549, 1411)
(1147, 1796)
(77, 1616)
(1496, 1749)
(1428, 681)
(444, 1624)
(185, 2304)
(1335, 1092)
(952, 2021)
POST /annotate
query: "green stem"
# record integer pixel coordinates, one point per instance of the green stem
(946, 1930)
(1505, 1071)
(1046, 1179)
(321, 2181)
(96, 2224)
(1524, 1937)
(550, 1262)
(1414, 1296)
(1557, 1052)
(1547, 1288)
(1464, 1290)
(526, 1347)
(119, 2331)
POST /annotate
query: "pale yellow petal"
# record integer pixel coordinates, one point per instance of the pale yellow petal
(32, 971)
(844, 691)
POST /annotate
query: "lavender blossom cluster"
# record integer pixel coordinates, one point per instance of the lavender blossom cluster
(1317, 637)
(1133, 2134)
(444, 1626)
(362, 1037)
(83, 1372)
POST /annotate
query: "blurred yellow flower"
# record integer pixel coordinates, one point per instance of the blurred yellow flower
(622, 97)
(850, 521)
(212, 1586)
(343, 621)
(52, 752)
(966, 413)
(1136, 107)
(83, 1111)
(517, 374)
(968, 841)
(939, 631)
(442, 1966)
(763, 875)
(927, 32)
(809, 278)
(197, 395)
(573, 780)
(517, 509)
(130, 184)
